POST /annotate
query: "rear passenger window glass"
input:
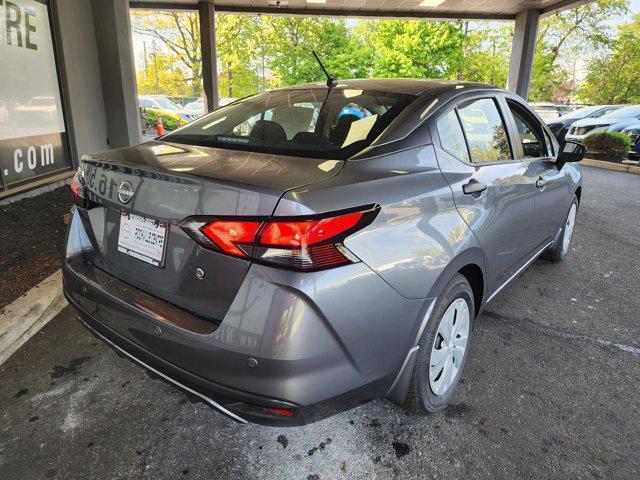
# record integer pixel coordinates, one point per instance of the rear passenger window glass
(451, 136)
(485, 131)
(530, 132)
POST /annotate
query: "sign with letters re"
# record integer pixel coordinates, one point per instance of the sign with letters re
(32, 128)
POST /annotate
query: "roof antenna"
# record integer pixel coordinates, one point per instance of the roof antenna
(331, 82)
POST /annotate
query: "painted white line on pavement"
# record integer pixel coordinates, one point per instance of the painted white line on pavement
(22, 318)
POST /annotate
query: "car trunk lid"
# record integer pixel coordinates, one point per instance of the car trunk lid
(167, 183)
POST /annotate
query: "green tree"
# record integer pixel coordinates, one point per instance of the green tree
(237, 37)
(161, 73)
(615, 77)
(486, 53)
(413, 48)
(289, 42)
(570, 33)
(179, 33)
(567, 34)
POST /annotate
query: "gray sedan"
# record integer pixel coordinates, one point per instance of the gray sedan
(297, 253)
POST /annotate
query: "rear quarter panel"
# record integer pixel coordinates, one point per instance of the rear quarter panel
(418, 231)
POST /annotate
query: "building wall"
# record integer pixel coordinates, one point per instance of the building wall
(80, 71)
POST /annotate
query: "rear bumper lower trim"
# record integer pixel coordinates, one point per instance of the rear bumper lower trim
(135, 359)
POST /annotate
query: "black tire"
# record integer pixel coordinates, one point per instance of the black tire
(420, 397)
(555, 252)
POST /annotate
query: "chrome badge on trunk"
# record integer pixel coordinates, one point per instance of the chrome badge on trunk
(125, 192)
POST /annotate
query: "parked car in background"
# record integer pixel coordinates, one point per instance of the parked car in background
(561, 125)
(634, 133)
(546, 111)
(614, 121)
(163, 104)
(303, 251)
(198, 107)
(564, 109)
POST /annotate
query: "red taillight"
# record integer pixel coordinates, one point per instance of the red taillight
(279, 412)
(296, 243)
(75, 186)
(79, 192)
(308, 244)
(297, 234)
(234, 238)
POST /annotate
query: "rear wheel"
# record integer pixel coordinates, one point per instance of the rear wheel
(444, 347)
(559, 250)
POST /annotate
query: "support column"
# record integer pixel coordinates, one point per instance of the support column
(209, 54)
(79, 69)
(523, 49)
(117, 71)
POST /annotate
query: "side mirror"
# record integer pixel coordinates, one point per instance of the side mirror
(570, 152)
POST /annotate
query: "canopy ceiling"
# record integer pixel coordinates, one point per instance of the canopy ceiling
(450, 9)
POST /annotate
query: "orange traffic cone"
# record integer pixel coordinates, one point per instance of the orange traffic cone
(160, 126)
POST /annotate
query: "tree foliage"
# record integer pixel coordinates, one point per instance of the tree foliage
(487, 48)
(179, 34)
(615, 77)
(412, 48)
(261, 52)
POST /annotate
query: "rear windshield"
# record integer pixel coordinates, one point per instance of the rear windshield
(315, 123)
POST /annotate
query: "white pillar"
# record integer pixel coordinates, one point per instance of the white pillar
(523, 49)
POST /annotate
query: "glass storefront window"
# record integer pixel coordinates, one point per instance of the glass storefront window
(32, 128)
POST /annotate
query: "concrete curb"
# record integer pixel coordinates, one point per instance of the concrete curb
(21, 319)
(618, 167)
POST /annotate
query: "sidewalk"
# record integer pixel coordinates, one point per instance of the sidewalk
(618, 167)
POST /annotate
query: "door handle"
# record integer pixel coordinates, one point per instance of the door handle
(474, 188)
(541, 183)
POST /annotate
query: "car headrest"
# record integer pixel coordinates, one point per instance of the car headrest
(310, 138)
(268, 132)
(341, 130)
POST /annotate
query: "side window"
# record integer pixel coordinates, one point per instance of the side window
(485, 131)
(451, 136)
(530, 132)
(602, 112)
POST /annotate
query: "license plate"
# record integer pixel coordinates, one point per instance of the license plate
(142, 238)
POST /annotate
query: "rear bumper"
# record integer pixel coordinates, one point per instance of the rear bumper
(313, 344)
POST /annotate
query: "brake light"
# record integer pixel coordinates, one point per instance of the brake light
(234, 238)
(309, 244)
(75, 188)
(79, 192)
(299, 243)
(296, 234)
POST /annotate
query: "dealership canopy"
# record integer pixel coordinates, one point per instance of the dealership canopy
(69, 85)
(525, 13)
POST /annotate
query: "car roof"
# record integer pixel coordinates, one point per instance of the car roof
(398, 85)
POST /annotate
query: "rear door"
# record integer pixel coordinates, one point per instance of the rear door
(490, 188)
(536, 149)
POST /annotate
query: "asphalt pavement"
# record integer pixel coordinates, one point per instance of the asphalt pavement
(551, 391)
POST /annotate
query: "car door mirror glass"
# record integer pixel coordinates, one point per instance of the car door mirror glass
(571, 152)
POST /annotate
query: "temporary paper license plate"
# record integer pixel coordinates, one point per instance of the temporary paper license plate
(142, 238)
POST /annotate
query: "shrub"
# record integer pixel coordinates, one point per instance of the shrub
(170, 121)
(612, 144)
